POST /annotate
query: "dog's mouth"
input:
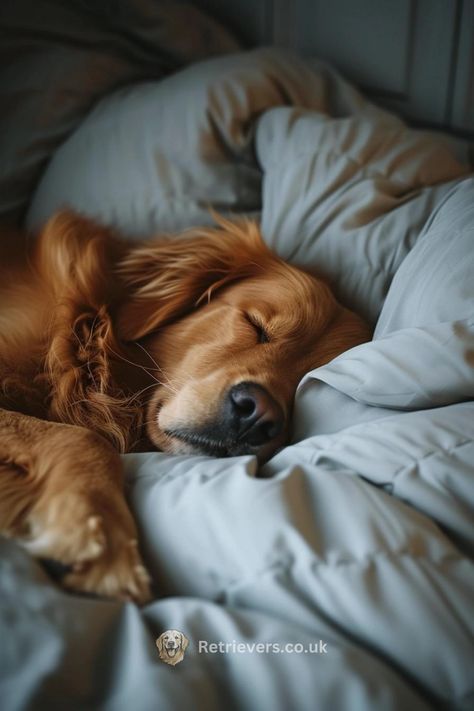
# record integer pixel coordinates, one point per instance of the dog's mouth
(213, 439)
(203, 444)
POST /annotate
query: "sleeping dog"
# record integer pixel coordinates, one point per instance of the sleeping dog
(190, 345)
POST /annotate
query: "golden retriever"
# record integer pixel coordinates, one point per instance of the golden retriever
(171, 646)
(190, 345)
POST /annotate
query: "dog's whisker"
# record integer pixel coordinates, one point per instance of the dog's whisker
(158, 367)
(140, 392)
(149, 355)
(142, 367)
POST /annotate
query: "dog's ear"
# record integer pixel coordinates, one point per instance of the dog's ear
(75, 255)
(167, 278)
(159, 643)
(184, 642)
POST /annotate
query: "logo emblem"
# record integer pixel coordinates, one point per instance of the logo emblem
(172, 645)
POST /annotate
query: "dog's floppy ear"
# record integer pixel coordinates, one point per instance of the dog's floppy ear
(184, 642)
(74, 254)
(159, 642)
(165, 279)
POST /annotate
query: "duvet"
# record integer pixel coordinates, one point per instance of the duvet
(342, 576)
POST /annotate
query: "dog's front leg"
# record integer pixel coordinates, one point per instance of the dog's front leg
(61, 496)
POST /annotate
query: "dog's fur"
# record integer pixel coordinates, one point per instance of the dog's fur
(95, 332)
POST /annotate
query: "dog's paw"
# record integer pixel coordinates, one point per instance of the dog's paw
(118, 573)
(97, 545)
(76, 542)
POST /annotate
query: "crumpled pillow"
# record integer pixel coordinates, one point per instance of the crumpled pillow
(422, 354)
(348, 196)
(155, 156)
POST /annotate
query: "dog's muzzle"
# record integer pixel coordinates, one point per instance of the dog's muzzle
(251, 415)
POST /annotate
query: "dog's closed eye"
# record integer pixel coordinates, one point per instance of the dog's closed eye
(259, 328)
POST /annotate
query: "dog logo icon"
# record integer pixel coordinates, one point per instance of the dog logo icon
(172, 645)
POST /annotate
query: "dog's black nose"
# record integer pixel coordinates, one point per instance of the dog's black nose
(253, 414)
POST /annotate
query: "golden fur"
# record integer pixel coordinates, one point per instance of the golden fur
(191, 345)
(171, 646)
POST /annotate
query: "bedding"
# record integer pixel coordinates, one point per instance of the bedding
(356, 541)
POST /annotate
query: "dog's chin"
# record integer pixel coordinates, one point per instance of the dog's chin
(187, 441)
(191, 442)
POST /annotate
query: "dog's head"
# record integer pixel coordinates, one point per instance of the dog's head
(230, 330)
(171, 646)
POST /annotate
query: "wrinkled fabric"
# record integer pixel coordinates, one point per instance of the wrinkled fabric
(358, 536)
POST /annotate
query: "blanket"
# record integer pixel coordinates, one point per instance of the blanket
(342, 576)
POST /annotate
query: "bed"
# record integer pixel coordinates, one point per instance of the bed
(349, 555)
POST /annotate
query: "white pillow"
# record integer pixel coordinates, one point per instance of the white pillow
(423, 351)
